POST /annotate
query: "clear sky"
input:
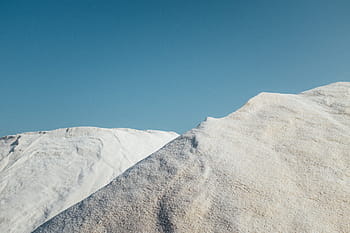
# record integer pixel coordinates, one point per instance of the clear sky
(160, 64)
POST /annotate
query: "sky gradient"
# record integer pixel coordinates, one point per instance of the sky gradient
(160, 64)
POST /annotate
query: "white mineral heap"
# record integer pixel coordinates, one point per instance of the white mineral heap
(281, 163)
(43, 173)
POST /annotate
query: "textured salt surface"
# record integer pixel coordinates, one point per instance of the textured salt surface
(281, 163)
(43, 173)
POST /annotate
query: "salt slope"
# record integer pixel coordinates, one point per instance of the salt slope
(43, 173)
(281, 163)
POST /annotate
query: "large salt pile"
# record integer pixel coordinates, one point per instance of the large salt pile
(43, 173)
(281, 163)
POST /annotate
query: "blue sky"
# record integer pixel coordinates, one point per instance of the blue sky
(160, 64)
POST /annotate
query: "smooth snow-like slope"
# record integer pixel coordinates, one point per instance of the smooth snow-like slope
(43, 173)
(281, 163)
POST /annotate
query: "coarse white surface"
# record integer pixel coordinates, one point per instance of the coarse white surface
(281, 163)
(43, 173)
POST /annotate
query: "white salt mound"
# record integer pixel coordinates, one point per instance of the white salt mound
(44, 173)
(281, 163)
